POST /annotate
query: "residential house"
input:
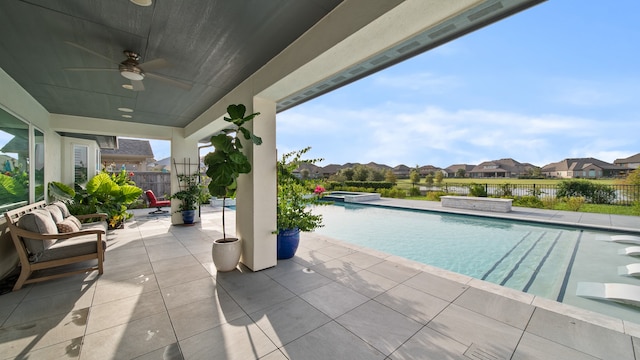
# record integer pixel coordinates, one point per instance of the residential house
(131, 155)
(503, 168)
(402, 171)
(583, 168)
(452, 171)
(431, 170)
(632, 162)
(313, 171)
(162, 165)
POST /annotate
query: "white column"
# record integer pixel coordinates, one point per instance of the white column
(256, 197)
(183, 151)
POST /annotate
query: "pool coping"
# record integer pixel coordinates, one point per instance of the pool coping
(606, 321)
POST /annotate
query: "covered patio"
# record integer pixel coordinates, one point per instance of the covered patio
(160, 297)
(63, 80)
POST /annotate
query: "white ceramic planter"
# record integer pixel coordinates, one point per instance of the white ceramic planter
(226, 253)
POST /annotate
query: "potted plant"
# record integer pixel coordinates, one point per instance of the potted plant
(104, 193)
(294, 198)
(191, 194)
(224, 165)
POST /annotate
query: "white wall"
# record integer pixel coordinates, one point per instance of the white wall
(15, 100)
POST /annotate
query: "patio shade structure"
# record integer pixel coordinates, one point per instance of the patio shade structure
(63, 67)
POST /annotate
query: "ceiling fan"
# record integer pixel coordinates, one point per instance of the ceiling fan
(132, 70)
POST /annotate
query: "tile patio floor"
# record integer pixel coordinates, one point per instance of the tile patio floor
(161, 298)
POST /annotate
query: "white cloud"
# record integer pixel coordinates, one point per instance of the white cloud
(441, 137)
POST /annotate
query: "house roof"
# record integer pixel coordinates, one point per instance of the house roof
(631, 159)
(454, 168)
(130, 148)
(503, 165)
(578, 164)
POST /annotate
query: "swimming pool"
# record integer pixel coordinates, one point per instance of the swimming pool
(543, 260)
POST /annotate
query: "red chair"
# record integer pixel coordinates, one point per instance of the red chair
(152, 201)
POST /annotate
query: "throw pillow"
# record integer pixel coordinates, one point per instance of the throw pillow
(74, 220)
(55, 212)
(41, 222)
(67, 225)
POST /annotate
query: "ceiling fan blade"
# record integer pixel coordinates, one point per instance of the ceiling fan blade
(90, 51)
(137, 85)
(154, 64)
(167, 80)
(90, 69)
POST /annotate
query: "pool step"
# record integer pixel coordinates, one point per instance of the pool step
(533, 264)
(546, 281)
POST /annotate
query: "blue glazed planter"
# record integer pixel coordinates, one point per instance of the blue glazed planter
(288, 241)
(188, 216)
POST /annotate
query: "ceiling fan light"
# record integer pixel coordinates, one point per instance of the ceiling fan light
(142, 2)
(132, 75)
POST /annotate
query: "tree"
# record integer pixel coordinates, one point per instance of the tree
(414, 177)
(439, 177)
(633, 178)
(460, 173)
(347, 173)
(389, 176)
(360, 173)
(376, 174)
(304, 174)
(429, 179)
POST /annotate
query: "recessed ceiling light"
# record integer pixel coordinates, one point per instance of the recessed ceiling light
(126, 116)
(142, 2)
(125, 109)
(127, 86)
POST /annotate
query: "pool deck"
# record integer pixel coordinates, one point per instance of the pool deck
(161, 298)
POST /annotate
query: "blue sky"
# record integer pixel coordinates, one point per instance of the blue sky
(559, 80)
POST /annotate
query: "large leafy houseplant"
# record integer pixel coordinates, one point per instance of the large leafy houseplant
(227, 162)
(104, 193)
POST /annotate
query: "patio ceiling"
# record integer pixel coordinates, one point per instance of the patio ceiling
(211, 46)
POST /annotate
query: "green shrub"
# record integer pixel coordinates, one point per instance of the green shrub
(528, 201)
(478, 190)
(369, 184)
(602, 194)
(392, 193)
(574, 203)
(414, 191)
(550, 202)
(435, 195)
(591, 192)
(504, 190)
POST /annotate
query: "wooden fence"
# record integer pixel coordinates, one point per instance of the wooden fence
(158, 182)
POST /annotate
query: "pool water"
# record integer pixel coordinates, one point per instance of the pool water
(543, 260)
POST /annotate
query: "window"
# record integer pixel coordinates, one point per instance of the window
(14, 162)
(80, 160)
(38, 169)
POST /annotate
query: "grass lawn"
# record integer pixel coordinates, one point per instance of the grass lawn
(406, 183)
